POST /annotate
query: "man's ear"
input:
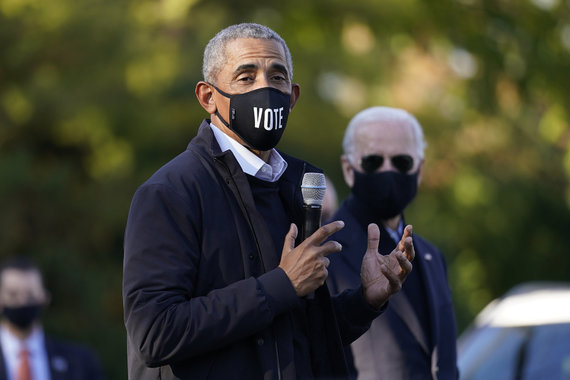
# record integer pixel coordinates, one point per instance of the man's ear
(295, 93)
(347, 170)
(205, 96)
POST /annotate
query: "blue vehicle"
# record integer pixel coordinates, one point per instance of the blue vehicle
(524, 335)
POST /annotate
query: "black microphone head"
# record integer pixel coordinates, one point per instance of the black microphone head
(313, 188)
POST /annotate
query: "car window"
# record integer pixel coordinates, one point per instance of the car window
(492, 353)
(547, 355)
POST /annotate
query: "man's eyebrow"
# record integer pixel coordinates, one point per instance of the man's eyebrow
(244, 67)
(280, 67)
(250, 66)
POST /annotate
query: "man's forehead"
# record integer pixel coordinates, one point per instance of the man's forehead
(384, 128)
(392, 135)
(247, 50)
(21, 278)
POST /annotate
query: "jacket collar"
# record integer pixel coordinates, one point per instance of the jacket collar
(289, 184)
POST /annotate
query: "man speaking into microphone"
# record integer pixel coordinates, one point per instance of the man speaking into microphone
(215, 272)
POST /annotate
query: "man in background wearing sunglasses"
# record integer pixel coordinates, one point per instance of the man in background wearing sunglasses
(382, 164)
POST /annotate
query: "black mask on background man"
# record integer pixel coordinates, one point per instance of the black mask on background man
(22, 316)
(258, 117)
(386, 193)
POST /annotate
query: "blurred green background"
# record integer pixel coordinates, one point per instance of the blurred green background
(95, 95)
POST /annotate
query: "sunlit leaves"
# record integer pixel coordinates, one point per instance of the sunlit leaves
(554, 124)
(357, 38)
(473, 189)
(45, 15)
(153, 72)
(565, 36)
(167, 12)
(107, 156)
(469, 279)
(95, 95)
(347, 93)
(17, 105)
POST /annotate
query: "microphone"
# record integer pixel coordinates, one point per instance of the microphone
(313, 189)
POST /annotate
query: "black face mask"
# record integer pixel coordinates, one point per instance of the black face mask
(258, 117)
(22, 316)
(386, 193)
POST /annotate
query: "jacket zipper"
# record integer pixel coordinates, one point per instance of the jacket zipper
(277, 357)
(259, 254)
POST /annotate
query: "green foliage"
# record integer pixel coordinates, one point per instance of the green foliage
(95, 95)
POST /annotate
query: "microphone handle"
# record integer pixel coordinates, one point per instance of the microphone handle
(312, 220)
(311, 224)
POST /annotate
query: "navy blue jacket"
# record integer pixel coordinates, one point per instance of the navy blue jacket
(203, 295)
(395, 347)
(66, 361)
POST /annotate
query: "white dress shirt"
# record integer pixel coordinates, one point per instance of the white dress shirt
(248, 161)
(34, 344)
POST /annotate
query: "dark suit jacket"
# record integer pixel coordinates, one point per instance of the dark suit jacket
(66, 362)
(395, 347)
(203, 295)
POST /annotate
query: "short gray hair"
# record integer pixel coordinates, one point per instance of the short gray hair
(384, 114)
(215, 51)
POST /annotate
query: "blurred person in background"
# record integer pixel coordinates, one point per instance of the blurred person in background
(26, 352)
(330, 201)
(216, 284)
(382, 164)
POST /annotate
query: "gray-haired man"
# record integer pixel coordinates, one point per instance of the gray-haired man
(214, 284)
(382, 164)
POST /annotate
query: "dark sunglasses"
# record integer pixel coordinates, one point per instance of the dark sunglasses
(402, 162)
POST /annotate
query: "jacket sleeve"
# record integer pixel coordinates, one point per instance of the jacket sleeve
(165, 318)
(353, 313)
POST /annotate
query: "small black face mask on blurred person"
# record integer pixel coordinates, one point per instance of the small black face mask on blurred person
(22, 316)
(258, 117)
(386, 193)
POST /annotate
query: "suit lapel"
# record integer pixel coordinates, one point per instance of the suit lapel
(401, 306)
(399, 303)
(427, 279)
(58, 364)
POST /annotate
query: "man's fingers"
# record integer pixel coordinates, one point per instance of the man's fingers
(393, 279)
(409, 250)
(373, 238)
(405, 264)
(289, 243)
(325, 231)
(330, 247)
(407, 233)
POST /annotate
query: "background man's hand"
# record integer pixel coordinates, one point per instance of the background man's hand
(306, 265)
(383, 276)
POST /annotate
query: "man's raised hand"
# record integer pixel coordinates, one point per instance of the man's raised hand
(306, 265)
(382, 276)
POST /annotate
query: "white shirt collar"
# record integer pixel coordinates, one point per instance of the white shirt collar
(34, 344)
(248, 161)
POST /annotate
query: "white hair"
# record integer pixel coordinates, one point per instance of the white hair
(215, 51)
(384, 114)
